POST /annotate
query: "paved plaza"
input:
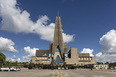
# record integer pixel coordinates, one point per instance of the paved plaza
(57, 73)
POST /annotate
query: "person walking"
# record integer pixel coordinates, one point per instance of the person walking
(80, 68)
(91, 68)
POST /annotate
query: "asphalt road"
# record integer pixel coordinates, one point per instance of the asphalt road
(86, 73)
(57, 73)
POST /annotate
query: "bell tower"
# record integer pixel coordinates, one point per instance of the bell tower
(58, 38)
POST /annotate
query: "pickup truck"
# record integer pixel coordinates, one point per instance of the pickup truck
(9, 68)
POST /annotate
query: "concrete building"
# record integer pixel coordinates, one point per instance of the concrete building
(58, 51)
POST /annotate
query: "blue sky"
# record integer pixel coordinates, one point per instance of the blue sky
(28, 25)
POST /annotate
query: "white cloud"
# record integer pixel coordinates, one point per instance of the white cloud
(106, 58)
(13, 59)
(109, 47)
(99, 54)
(88, 50)
(18, 21)
(29, 53)
(7, 45)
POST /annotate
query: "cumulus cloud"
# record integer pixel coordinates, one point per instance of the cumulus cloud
(99, 54)
(87, 50)
(13, 59)
(7, 45)
(18, 21)
(29, 53)
(109, 47)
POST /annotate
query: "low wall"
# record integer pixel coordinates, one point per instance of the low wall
(24, 68)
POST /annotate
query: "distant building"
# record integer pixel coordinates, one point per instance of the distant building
(101, 66)
(58, 51)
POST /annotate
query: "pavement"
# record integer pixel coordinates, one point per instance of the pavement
(57, 73)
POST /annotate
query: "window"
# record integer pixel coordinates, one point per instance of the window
(66, 55)
(58, 59)
(38, 58)
(49, 55)
(81, 58)
(57, 49)
(45, 54)
(87, 58)
(49, 58)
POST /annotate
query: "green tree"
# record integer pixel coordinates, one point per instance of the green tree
(106, 63)
(64, 64)
(2, 58)
(99, 62)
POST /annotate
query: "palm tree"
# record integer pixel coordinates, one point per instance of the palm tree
(64, 64)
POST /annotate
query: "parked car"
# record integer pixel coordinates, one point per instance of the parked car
(15, 68)
(111, 68)
(5, 69)
(62, 68)
(59, 68)
(9, 68)
(66, 68)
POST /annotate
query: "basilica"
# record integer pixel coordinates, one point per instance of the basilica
(58, 51)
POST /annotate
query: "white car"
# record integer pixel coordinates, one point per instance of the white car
(4, 69)
(10, 68)
(15, 68)
(66, 68)
(111, 68)
(59, 68)
(18, 69)
(62, 68)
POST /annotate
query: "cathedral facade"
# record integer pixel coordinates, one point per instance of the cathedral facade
(58, 51)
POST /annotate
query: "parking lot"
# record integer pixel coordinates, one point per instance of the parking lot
(57, 73)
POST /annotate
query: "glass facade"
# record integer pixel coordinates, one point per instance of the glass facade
(49, 55)
(45, 54)
(57, 49)
(57, 59)
(48, 58)
(66, 55)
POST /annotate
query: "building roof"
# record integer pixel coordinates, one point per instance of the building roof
(84, 55)
(40, 53)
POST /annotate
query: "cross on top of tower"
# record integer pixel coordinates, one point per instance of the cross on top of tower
(58, 13)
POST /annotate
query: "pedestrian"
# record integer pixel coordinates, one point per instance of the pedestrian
(91, 68)
(80, 68)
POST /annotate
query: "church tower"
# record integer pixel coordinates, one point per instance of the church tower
(58, 44)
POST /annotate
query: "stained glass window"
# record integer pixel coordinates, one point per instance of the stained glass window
(58, 59)
(49, 55)
(48, 58)
(45, 54)
(66, 55)
(57, 49)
